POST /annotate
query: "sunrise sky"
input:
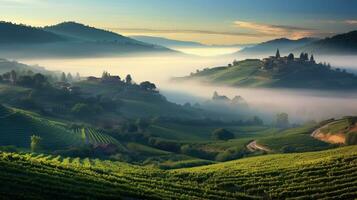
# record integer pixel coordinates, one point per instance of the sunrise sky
(205, 21)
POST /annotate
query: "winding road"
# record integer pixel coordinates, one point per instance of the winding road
(253, 146)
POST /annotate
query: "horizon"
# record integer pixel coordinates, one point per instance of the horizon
(209, 22)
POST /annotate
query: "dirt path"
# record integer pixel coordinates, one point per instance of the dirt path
(253, 146)
(333, 138)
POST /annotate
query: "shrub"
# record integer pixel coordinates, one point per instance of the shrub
(35, 143)
(222, 134)
(351, 138)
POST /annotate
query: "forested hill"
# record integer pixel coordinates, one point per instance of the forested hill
(284, 44)
(68, 39)
(16, 34)
(339, 44)
(278, 72)
(86, 33)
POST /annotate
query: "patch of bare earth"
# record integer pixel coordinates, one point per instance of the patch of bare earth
(333, 138)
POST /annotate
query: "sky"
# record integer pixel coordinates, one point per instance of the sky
(205, 21)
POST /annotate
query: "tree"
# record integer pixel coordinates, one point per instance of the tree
(39, 80)
(291, 57)
(78, 77)
(222, 134)
(69, 77)
(128, 79)
(35, 143)
(85, 110)
(277, 55)
(282, 120)
(146, 85)
(302, 56)
(13, 76)
(312, 59)
(105, 75)
(63, 77)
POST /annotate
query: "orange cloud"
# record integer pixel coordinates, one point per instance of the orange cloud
(276, 30)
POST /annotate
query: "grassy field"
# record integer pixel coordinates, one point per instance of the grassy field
(17, 126)
(330, 174)
(294, 139)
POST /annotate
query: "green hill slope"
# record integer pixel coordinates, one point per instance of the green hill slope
(327, 174)
(276, 73)
(16, 128)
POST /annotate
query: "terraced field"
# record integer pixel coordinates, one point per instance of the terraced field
(17, 126)
(328, 174)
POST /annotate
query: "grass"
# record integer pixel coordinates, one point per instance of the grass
(330, 174)
(297, 139)
(16, 127)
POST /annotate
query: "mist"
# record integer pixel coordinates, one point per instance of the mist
(301, 105)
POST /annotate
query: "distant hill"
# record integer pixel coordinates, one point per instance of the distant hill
(283, 44)
(343, 43)
(18, 34)
(7, 66)
(82, 32)
(275, 72)
(167, 42)
(68, 39)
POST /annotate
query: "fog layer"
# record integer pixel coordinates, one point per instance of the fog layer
(301, 105)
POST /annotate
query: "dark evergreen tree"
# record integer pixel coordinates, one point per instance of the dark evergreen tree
(63, 77)
(312, 59)
(277, 55)
(128, 79)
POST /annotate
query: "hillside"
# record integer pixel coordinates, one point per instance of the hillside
(82, 32)
(283, 44)
(21, 34)
(17, 126)
(7, 66)
(345, 43)
(341, 131)
(273, 72)
(68, 39)
(315, 175)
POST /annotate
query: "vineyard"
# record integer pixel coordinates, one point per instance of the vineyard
(94, 137)
(17, 126)
(330, 174)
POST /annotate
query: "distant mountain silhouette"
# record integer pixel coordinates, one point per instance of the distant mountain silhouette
(343, 43)
(283, 44)
(14, 34)
(167, 42)
(68, 39)
(79, 31)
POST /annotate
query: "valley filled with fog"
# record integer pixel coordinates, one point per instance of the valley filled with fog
(301, 105)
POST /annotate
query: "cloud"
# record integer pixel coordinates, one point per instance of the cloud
(351, 22)
(209, 32)
(276, 30)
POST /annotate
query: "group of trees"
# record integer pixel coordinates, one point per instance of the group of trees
(69, 78)
(222, 134)
(282, 120)
(28, 79)
(305, 57)
(291, 57)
